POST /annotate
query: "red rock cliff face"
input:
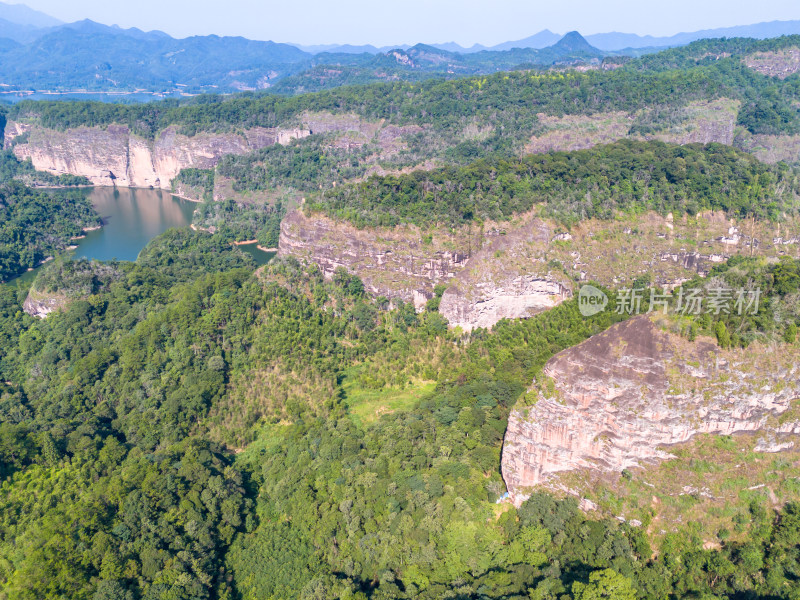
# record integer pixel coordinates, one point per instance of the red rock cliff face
(622, 394)
(517, 268)
(115, 156)
(396, 263)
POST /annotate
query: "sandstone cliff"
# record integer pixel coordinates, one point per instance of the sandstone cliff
(397, 263)
(617, 398)
(115, 156)
(517, 268)
(407, 263)
(508, 278)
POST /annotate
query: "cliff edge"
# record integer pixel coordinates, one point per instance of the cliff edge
(620, 396)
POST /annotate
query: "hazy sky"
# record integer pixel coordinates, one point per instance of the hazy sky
(409, 21)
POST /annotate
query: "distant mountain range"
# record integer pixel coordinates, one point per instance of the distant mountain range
(41, 56)
(613, 41)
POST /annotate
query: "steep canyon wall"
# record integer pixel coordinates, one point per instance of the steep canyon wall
(115, 156)
(620, 397)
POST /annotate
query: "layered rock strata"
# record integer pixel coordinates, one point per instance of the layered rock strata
(618, 398)
(396, 263)
(520, 267)
(116, 156)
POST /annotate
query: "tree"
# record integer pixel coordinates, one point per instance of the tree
(606, 583)
(723, 337)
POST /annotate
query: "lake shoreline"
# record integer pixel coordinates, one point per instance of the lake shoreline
(251, 242)
(114, 187)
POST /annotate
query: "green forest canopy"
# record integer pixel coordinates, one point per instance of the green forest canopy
(121, 412)
(669, 78)
(626, 176)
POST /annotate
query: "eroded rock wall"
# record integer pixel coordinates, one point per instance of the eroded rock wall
(509, 277)
(620, 396)
(397, 263)
(518, 268)
(115, 156)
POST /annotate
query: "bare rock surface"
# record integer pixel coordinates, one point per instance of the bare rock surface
(517, 268)
(508, 278)
(698, 122)
(39, 305)
(779, 63)
(520, 297)
(116, 156)
(396, 263)
(622, 395)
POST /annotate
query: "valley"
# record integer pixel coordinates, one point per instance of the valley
(406, 396)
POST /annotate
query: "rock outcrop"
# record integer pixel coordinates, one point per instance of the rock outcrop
(115, 156)
(508, 278)
(620, 396)
(396, 263)
(40, 305)
(521, 297)
(61, 282)
(700, 122)
(779, 63)
(518, 268)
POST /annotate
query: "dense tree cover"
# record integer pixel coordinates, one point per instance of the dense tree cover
(37, 224)
(107, 523)
(76, 278)
(768, 105)
(422, 62)
(703, 70)
(265, 182)
(758, 300)
(13, 168)
(502, 107)
(304, 165)
(624, 176)
(710, 52)
(240, 221)
(198, 182)
(65, 60)
(443, 104)
(113, 488)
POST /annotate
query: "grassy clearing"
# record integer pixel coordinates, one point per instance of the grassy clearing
(367, 405)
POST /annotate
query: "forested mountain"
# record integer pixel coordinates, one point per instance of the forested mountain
(92, 57)
(39, 54)
(354, 419)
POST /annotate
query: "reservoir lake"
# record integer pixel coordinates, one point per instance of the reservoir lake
(133, 217)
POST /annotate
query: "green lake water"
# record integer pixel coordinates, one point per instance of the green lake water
(133, 217)
(259, 256)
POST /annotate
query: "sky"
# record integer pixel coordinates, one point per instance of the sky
(381, 22)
